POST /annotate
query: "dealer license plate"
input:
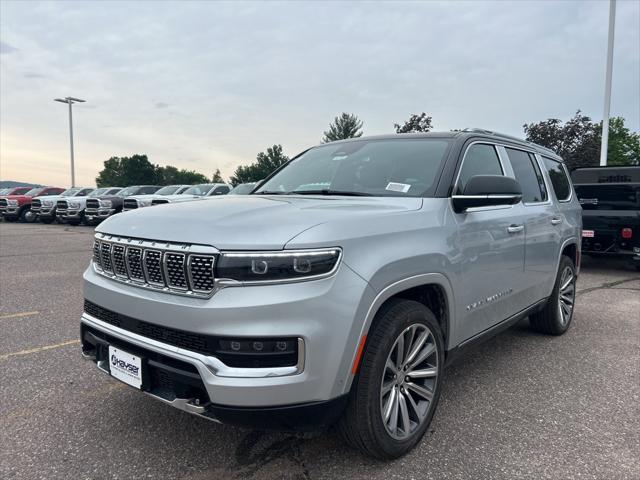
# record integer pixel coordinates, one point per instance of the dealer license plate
(125, 367)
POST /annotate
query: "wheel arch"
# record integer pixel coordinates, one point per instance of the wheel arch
(431, 289)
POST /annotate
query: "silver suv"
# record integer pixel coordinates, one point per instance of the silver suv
(338, 290)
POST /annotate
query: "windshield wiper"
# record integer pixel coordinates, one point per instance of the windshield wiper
(271, 192)
(326, 191)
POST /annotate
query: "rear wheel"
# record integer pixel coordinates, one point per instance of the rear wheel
(396, 391)
(555, 317)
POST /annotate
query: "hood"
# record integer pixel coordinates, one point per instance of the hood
(180, 198)
(249, 222)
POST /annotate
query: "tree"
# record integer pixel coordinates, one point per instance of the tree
(624, 145)
(126, 171)
(138, 170)
(217, 177)
(578, 140)
(416, 123)
(170, 175)
(265, 164)
(344, 126)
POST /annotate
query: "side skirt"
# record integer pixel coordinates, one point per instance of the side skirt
(459, 350)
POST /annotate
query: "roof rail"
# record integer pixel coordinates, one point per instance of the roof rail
(510, 137)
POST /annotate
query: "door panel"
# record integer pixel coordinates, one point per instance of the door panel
(492, 267)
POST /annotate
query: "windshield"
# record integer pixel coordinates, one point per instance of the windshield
(168, 190)
(4, 190)
(70, 192)
(201, 189)
(243, 189)
(609, 197)
(395, 167)
(97, 192)
(34, 192)
(125, 192)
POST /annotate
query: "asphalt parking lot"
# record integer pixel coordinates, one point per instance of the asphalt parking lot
(521, 405)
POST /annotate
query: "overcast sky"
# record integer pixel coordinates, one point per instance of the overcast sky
(206, 85)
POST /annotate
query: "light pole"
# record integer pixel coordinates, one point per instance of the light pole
(607, 86)
(70, 101)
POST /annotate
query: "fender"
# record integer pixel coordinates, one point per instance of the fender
(397, 287)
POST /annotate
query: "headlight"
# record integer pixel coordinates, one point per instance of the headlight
(106, 203)
(277, 266)
(73, 204)
(144, 203)
(47, 203)
(13, 203)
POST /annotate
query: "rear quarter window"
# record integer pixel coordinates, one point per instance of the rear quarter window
(559, 179)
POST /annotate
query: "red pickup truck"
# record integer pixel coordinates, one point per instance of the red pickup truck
(17, 206)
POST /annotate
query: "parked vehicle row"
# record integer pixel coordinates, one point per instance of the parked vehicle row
(90, 205)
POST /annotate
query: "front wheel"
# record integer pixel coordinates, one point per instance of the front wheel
(555, 317)
(395, 393)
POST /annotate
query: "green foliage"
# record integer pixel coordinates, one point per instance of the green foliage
(265, 164)
(624, 145)
(415, 123)
(217, 177)
(578, 140)
(138, 170)
(344, 126)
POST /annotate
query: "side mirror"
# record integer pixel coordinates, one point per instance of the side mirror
(487, 191)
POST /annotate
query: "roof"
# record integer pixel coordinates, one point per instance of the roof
(460, 135)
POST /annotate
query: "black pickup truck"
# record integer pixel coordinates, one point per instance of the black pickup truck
(610, 199)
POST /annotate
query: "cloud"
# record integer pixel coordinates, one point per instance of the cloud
(6, 48)
(278, 73)
(33, 75)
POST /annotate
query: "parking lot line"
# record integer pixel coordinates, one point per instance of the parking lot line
(18, 315)
(38, 349)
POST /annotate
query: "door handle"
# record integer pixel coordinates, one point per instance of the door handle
(556, 221)
(515, 228)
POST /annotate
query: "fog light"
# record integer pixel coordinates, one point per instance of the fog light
(257, 352)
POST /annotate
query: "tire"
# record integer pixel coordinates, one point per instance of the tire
(551, 320)
(22, 216)
(362, 424)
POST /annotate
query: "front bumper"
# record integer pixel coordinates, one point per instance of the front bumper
(69, 214)
(322, 313)
(11, 212)
(98, 213)
(48, 213)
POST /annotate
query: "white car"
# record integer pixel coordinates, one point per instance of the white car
(195, 192)
(140, 201)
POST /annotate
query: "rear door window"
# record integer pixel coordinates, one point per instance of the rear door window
(559, 179)
(528, 174)
(480, 159)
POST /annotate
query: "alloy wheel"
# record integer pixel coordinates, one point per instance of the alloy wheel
(409, 381)
(566, 295)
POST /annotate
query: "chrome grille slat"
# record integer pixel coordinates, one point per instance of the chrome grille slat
(117, 257)
(105, 261)
(134, 264)
(172, 268)
(152, 266)
(93, 203)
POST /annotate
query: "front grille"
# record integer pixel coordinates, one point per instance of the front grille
(3, 204)
(61, 206)
(130, 204)
(93, 203)
(171, 268)
(218, 346)
(158, 202)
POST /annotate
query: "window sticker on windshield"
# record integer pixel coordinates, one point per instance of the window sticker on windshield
(398, 187)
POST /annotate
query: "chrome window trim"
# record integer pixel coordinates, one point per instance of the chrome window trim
(213, 364)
